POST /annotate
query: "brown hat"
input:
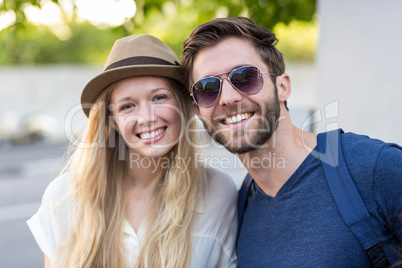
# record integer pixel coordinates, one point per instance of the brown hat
(133, 55)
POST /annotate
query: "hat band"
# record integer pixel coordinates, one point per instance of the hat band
(140, 60)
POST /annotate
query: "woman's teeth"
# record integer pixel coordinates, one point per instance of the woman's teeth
(237, 118)
(150, 135)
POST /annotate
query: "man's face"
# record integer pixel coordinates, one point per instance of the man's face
(238, 121)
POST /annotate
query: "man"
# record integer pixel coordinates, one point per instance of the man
(290, 219)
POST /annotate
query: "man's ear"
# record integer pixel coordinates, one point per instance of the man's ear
(196, 108)
(283, 86)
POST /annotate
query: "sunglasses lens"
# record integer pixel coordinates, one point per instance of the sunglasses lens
(247, 79)
(206, 91)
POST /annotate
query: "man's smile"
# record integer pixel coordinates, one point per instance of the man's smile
(236, 118)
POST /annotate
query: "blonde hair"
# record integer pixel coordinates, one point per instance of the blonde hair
(99, 180)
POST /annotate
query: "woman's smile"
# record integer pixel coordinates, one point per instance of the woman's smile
(152, 136)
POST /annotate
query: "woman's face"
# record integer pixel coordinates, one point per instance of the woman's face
(147, 115)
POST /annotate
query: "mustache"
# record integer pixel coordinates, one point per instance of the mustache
(235, 109)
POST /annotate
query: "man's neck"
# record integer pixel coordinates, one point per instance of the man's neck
(272, 165)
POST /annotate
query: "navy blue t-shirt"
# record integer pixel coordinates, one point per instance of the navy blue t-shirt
(302, 226)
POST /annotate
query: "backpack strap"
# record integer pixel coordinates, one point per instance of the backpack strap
(241, 203)
(347, 197)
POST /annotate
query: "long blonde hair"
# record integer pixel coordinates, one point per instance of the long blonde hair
(99, 183)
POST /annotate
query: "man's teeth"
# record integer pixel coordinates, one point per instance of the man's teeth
(237, 118)
(150, 135)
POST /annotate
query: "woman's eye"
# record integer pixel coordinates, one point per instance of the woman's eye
(126, 106)
(160, 97)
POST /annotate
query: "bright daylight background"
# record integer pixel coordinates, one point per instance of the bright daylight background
(50, 49)
(342, 56)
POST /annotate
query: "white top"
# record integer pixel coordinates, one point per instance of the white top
(213, 232)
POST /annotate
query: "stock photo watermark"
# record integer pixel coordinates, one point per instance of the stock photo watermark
(194, 127)
(202, 159)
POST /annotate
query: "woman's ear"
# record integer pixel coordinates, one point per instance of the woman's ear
(113, 124)
(283, 86)
(111, 118)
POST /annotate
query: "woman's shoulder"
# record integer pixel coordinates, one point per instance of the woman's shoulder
(52, 220)
(215, 225)
(57, 200)
(221, 188)
(57, 188)
(220, 181)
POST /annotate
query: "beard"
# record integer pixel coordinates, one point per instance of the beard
(247, 139)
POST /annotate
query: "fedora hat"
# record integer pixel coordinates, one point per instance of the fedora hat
(133, 55)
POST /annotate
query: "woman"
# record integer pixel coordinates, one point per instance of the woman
(135, 194)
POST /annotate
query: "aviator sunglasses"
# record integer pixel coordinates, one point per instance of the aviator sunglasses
(245, 79)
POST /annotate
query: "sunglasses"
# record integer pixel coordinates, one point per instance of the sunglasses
(245, 79)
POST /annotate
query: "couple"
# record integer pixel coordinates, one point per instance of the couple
(107, 210)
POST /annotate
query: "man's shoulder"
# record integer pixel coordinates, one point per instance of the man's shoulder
(370, 162)
(353, 140)
(245, 186)
(363, 151)
(364, 143)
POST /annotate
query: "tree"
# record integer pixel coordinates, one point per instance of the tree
(172, 21)
(264, 12)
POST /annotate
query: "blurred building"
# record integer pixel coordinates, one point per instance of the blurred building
(359, 66)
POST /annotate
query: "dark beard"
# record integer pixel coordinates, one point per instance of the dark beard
(267, 125)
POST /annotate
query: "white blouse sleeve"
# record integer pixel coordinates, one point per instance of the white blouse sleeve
(53, 219)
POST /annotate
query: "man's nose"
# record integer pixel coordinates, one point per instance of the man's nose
(229, 95)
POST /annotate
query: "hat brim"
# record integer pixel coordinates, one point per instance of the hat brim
(97, 85)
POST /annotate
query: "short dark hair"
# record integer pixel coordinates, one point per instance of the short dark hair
(217, 30)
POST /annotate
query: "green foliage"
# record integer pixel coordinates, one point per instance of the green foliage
(267, 13)
(297, 40)
(172, 21)
(34, 44)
